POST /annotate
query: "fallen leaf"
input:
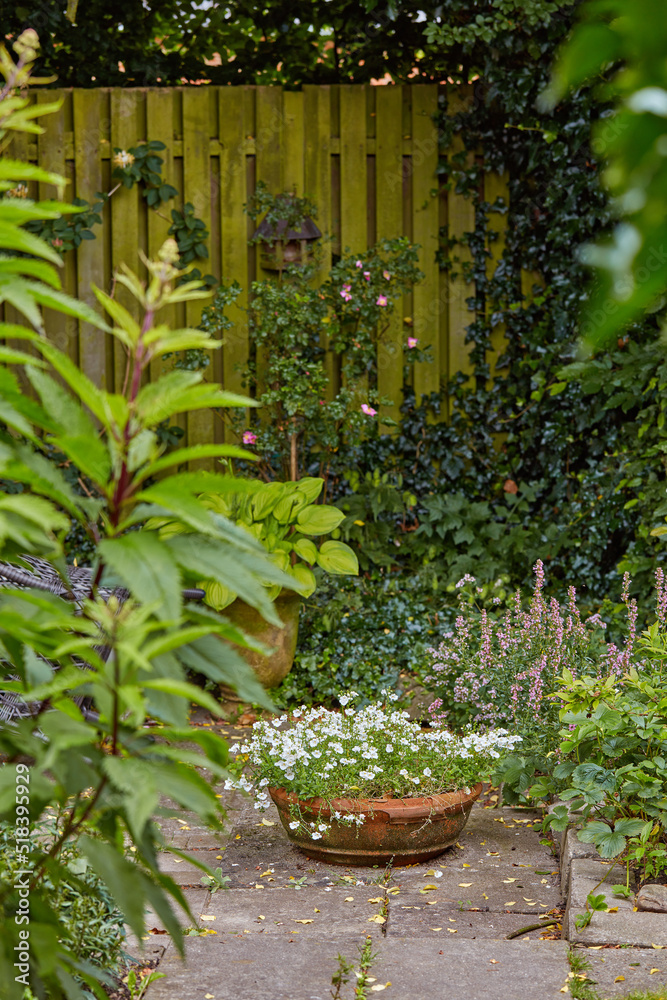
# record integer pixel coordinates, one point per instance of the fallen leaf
(207, 917)
(429, 887)
(316, 910)
(218, 857)
(179, 861)
(493, 961)
(379, 986)
(485, 895)
(209, 996)
(437, 928)
(619, 979)
(394, 890)
(376, 899)
(430, 872)
(309, 921)
(377, 919)
(612, 909)
(452, 930)
(565, 989)
(511, 903)
(430, 902)
(261, 917)
(349, 899)
(653, 970)
(482, 843)
(267, 822)
(269, 871)
(237, 837)
(466, 866)
(451, 920)
(493, 854)
(509, 880)
(657, 946)
(544, 881)
(465, 885)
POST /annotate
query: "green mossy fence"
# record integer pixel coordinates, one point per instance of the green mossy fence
(367, 155)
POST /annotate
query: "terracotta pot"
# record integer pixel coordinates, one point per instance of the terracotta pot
(272, 669)
(403, 831)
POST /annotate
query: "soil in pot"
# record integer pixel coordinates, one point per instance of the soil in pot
(272, 669)
(401, 831)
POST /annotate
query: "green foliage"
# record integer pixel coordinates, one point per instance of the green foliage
(191, 234)
(67, 233)
(284, 518)
(631, 266)
(141, 165)
(363, 634)
(102, 773)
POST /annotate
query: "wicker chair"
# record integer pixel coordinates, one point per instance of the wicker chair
(44, 577)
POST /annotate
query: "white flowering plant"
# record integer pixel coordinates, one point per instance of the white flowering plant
(375, 752)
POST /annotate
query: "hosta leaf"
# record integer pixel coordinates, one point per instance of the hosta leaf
(319, 519)
(338, 558)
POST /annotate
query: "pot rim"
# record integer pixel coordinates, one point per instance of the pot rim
(439, 803)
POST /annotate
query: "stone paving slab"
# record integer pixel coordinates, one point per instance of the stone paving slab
(624, 927)
(310, 912)
(462, 969)
(412, 921)
(242, 968)
(634, 964)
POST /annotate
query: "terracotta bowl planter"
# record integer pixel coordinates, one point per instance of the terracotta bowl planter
(272, 669)
(403, 831)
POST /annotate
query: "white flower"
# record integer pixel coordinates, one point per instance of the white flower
(389, 747)
(316, 836)
(415, 780)
(427, 772)
(294, 825)
(322, 827)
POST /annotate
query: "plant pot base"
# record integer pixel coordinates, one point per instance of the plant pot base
(397, 831)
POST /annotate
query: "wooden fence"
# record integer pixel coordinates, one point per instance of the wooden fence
(366, 155)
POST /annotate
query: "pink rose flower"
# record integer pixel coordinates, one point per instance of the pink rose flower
(381, 300)
(367, 275)
(249, 437)
(412, 341)
(359, 264)
(368, 410)
(345, 293)
(386, 274)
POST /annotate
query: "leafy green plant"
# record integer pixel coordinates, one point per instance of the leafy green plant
(137, 985)
(285, 519)
(190, 233)
(129, 655)
(215, 881)
(142, 165)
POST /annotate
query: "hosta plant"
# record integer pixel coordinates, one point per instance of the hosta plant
(289, 524)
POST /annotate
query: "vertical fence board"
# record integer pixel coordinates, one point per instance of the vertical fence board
(461, 220)
(125, 208)
(496, 186)
(160, 127)
(197, 190)
(425, 218)
(317, 185)
(389, 224)
(353, 190)
(87, 115)
(233, 230)
(293, 142)
(61, 330)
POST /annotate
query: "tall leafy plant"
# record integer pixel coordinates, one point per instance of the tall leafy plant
(100, 773)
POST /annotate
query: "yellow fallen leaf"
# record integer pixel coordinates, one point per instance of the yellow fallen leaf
(349, 899)
(209, 996)
(377, 919)
(619, 979)
(438, 928)
(218, 857)
(379, 986)
(430, 872)
(482, 843)
(316, 910)
(258, 886)
(511, 903)
(269, 871)
(179, 861)
(464, 885)
(376, 899)
(430, 902)
(429, 887)
(466, 866)
(635, 909)
(237, 837)
(612, 909)
(657, 946)
(485, 895)
(207, 917)
(509, 880)
(309, 921)
(653, 970)
(394, 890)
(452, 930)
(493, 961)
(451, 920)
(565, 989)
(493, 854)
(267, 822)
(544, 881)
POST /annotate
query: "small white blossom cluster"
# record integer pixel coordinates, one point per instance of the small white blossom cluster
(371, 753)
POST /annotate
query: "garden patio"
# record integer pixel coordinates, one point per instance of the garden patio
(333, 610)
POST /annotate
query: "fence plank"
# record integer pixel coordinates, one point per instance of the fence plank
(160, 126)
(317, 182)
(197, 190)
(353, 188)
(461, 220)
(389, 224)
(126, 131)
(496, 186)
(87, 111)
(233, 230)
(293, 142)
(425, 218)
